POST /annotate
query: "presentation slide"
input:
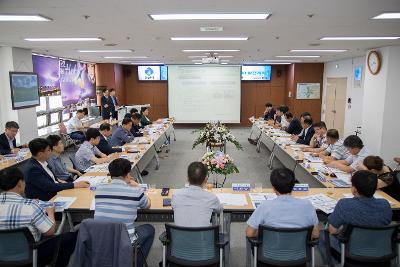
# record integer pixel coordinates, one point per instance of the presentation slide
(199, 94)
(149, 73)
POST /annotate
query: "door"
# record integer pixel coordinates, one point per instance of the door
(336, 103)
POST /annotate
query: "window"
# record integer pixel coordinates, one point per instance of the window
(55, 102)
(66, 116)
(43, 104)
(54, 118)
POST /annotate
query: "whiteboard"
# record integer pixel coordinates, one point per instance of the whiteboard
(199, 94)
(308, 91)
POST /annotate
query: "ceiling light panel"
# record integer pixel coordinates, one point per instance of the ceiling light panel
(211, 16)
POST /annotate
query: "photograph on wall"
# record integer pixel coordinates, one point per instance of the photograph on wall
(48, 71)
(77, 82)
(308, 91)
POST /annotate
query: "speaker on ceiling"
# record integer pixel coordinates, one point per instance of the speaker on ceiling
(279, 73)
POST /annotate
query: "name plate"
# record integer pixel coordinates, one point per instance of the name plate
(241, 187)
(301, 187)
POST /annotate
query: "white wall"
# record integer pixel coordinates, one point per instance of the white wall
(16, 59)
(345, 69)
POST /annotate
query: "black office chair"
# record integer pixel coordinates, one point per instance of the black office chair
(366, 246)
(18, 248)
(74, 163)
(193, 246)
(283, 246)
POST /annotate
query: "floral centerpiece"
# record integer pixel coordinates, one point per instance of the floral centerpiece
(219, 163)
(214, 133)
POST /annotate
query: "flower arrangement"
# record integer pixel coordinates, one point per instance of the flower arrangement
(215, 133)
(219, 163)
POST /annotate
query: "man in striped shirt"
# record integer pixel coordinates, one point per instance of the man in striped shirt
(19, 212)
(119, 202)
(336, 150)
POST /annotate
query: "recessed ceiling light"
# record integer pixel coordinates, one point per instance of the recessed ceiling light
(278, 63)
(224, 63)
(226, 16)
(297, 56)
(224, 60)
(23, 18)
(319, 50)
(359, 38)
(147, 63)
(210, 50)
(106, 51)
(209, 38)
(281, 60)
(198, 63)
(225, 56)
(134, 57)
(64, 39)
(388, 15)
(196, 56)
(196, 60)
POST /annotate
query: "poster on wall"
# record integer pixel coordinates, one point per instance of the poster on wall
(77, 82)
(308, 91)
(48, 71)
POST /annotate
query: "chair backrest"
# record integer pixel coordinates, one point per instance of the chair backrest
(16, 247)
(282, 246)
(393, 180)
(371, 244)
(63, 128)
(74, 163)
(192, 246)
(94, 111)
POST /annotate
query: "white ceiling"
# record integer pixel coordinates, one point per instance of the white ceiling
(126, 23)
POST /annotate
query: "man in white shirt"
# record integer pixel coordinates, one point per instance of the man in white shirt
(318, 142)
(193, 206)
(75, 126)
(281, 111)
(358, 153)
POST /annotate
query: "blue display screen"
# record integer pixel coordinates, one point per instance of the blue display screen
(256, 73)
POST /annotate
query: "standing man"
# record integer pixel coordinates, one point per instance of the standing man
(105, 105)
(113, 104)
(8, 144)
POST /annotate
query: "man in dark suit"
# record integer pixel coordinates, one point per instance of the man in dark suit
(269, 113)
(104, 146)
(113, 104)
(135, 130)
(105, 105)
(40, 180)
(8, 144)
(307, 133)
(294, 124)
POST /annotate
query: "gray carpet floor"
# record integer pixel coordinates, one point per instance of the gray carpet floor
(172, 173)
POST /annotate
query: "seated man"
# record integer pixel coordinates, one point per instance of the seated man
(56, 163)
(294, 124)
(119, 202)
(361, 210)
(41, 182)
(269, 112)
(335, 150)
(357, 151)
(133, 111)
(135, 130)
(280, 112)
(75, 126)
(318, 142)
(88, 154)
(308, 132)
(122, 134)
(144, 121)
(193, 206)
(284, 211)
(18, 212)
(397, 160)
(8, 143)
(104, 146)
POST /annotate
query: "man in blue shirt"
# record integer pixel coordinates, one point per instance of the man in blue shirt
(285, 211)
(119, 202)
(122, 134)
(361, 210)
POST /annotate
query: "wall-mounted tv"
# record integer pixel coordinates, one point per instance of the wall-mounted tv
(256, 73)
(24, 90)
(149, 73)
(163, 73)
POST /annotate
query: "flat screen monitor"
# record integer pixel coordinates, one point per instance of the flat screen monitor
(24, 90)
(164, 73)
(55, 102)
(256, 73)
(42, 121)
(54, 118)
(43, 104)
(149, 73)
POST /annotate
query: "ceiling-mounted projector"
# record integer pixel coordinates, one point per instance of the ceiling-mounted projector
(210, 60)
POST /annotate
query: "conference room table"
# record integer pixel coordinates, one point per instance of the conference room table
(14, 160)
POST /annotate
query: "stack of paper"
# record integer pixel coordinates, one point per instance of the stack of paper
(98, 168)
(258, 198)
(322, 202)
(94, 180)
(62, 203)
(310, 158)
(232, 199)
